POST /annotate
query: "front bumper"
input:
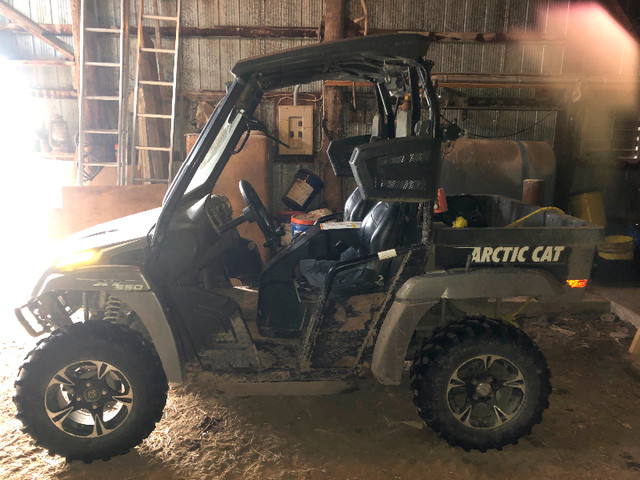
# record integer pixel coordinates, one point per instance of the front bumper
(37, 324)
(38, 314)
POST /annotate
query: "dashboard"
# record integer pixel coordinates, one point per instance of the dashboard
(197, 237)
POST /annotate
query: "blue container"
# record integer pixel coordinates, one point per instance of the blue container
(306, 185)
(301, 222)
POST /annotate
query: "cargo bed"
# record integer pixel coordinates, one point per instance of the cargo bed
(550, 240)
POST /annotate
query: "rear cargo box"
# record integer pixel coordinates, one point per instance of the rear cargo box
(559, 243)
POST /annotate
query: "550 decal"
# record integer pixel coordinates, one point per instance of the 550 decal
(539, 254)
(120, 285)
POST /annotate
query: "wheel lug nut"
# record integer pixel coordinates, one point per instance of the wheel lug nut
(94, 406)
(78, 399)
(104, 392)
(88, 384)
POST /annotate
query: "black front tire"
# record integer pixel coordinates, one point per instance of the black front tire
(480, 383)
(91, 391)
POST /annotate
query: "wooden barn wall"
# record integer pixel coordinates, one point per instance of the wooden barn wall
(205, 62)
(27, 46)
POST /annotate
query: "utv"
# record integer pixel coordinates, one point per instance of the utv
(134, 300)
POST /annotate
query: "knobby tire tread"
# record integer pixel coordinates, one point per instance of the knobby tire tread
(112, 338)
(433, 354)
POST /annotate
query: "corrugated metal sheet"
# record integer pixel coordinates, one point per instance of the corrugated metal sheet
(508, 124)
(282, 13)
(205, 62)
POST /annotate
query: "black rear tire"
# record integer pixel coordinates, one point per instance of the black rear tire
(91, 391)
(480, 383)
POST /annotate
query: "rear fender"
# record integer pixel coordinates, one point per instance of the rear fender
(421, 293)
(130, 285)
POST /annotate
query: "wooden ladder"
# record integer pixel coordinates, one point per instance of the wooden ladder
(88, 165)
(153, 154)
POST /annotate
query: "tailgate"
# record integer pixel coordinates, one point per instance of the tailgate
(559, 243)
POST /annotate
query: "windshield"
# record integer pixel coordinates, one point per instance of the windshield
(215, 151)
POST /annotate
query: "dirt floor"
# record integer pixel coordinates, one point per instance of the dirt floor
(589, 432)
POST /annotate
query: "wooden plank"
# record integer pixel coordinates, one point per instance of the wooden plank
(56, 29)
(352, 30)
(89, 205)
(75, 7)
(42, 62)
(53, 93)
(35, 29)
(486, 80)
(145, 169)
(634, 349)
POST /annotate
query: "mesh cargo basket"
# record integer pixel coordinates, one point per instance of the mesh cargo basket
(400, 169)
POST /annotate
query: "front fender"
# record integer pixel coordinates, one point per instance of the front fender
(130, 285)
(420, 293)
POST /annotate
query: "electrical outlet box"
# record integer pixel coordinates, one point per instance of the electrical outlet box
(295, 127)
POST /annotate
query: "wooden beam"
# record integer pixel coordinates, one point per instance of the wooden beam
(332, 105)
(243, 31)
(248, 31)
(203, 95)
(42, 62)
(53, 93)
(56, 29)
(34, 29)
(353, 30)
(484, 80)
(75, 6)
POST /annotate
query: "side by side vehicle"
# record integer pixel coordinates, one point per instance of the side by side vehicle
(131, 302)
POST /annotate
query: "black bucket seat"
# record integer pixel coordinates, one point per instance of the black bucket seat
(356, 207)
(381, 230)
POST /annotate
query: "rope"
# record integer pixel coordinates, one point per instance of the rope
(510, 318)
(543, 209)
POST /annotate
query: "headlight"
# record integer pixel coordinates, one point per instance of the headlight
(76, 259)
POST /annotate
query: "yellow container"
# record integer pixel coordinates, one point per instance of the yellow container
(589, 207)
(616, 247)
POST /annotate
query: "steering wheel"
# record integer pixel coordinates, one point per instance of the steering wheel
(256, 212)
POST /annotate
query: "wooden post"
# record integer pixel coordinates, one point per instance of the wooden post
(332, 121)
(75, 31)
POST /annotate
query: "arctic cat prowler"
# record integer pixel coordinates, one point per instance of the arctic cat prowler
(133, 301)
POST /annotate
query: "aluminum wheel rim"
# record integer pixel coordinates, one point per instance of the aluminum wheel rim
(486, 391)
(88, 399)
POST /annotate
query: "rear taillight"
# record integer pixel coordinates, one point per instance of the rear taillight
(577, 283)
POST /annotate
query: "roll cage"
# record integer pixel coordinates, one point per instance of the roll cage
(387, 61)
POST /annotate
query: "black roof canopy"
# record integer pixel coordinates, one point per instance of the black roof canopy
(359, 59)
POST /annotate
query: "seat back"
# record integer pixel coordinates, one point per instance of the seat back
(381, 227)
(356, 207)
(339, 153)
